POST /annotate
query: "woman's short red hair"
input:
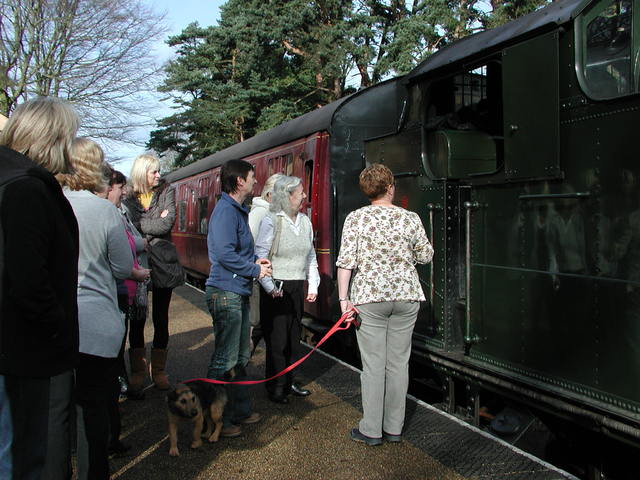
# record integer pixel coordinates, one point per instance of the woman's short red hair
(374, 180)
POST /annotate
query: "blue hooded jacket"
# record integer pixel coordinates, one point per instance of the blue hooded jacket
(231, 250)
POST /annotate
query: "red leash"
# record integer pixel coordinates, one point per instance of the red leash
(346, 318)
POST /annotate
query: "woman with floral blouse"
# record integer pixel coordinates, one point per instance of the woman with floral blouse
(381, 243)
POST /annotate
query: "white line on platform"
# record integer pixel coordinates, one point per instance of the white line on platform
(195, 288)
(139, 458)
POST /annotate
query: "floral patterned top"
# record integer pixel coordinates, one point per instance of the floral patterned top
(382, 245)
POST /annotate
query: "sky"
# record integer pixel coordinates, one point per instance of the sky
(179, 14)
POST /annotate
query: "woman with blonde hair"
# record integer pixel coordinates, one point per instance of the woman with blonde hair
(381, 243)
(38, 316)
(105, 255)
(152, 209)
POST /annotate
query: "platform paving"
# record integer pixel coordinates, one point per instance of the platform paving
(309, 438)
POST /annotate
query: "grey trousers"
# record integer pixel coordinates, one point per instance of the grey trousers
(384, 339)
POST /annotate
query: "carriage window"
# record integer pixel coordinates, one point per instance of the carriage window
(182, 216)
(308, 178)
(288, 169)
(203, 203)
(606, 69)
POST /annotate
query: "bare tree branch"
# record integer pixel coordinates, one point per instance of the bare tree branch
(94, 53)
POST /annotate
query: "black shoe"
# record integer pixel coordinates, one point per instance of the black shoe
(392, 438)
(299, 391)
(279, 399)
(118, 448)
(356, 436)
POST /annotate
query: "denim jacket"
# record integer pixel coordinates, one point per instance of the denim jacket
(230, 246)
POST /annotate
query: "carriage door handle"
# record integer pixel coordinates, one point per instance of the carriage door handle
(431, 208)
(468, 339)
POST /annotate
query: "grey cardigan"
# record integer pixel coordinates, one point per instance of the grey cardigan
(105, 255)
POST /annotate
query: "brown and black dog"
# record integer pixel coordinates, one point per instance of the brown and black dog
(200, 402)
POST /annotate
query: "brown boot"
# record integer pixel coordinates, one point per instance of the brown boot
(139, 372)
(158, 374)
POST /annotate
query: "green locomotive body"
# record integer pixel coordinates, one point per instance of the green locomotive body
(517, 148)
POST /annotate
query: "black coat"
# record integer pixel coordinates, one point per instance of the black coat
(39, 251)
(149, 222)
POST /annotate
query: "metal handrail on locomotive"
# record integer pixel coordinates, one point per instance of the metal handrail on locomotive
(516, 147)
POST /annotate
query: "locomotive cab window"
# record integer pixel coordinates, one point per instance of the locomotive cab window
(608, 63)
(490, 118)
(463, 123)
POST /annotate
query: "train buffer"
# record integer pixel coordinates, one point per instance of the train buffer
(309, 437)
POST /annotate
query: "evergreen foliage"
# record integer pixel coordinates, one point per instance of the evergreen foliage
(268, 61)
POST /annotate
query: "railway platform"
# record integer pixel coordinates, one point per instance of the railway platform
(309, 437)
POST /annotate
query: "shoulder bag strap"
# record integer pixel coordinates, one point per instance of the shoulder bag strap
(276, 237)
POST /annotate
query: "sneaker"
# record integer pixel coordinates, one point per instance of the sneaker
(356, 436)
(255, 417)
(231, 431)
(300, 391)
(391, 438)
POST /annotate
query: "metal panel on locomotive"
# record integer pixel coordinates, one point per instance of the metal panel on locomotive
(517, 150)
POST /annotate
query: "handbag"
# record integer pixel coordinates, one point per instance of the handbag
(166, 271)
(141, 298)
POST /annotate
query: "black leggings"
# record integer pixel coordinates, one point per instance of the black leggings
(280, 319)
(161, 298)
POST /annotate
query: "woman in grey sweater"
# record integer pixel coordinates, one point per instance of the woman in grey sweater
(105, 255)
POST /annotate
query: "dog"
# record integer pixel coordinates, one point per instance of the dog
(203, 404)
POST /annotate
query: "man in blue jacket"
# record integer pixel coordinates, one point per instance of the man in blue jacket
(233, 268)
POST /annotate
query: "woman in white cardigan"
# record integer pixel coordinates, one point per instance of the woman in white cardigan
(286, 238)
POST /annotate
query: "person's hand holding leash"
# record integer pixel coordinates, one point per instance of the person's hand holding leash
(351, 315)
(346, 305)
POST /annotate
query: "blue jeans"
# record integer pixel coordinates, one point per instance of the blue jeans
(231, 327)
(6, 432)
